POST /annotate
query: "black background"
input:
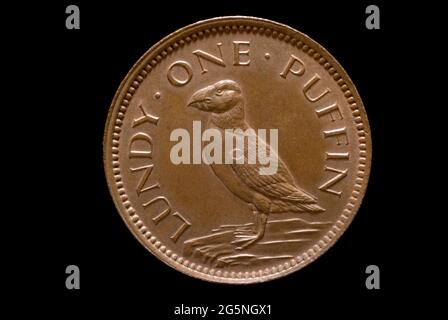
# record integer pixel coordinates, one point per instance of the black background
(75, 74)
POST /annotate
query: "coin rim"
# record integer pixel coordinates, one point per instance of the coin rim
(158, 52)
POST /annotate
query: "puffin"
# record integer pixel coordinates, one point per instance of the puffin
(264, 194)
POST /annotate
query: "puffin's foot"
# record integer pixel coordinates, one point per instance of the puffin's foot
(245, 230)
(244, 241)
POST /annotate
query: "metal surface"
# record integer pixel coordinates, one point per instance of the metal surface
(228, 222)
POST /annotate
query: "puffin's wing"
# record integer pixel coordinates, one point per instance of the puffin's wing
(279, 185)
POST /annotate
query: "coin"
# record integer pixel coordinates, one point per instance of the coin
(237, 150)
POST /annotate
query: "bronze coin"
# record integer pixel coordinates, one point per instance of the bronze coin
(237, 150)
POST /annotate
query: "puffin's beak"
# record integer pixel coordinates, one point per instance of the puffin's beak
(198, 98)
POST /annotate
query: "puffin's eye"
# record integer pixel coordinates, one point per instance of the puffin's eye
(218, 92)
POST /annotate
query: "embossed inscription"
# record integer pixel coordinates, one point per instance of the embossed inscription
(241, 49)
(181, 67)
(340, 174)
(206, 56)
(314, 92)
(180, 72)
(140, 145)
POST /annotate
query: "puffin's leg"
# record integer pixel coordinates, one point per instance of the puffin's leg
(262, 219)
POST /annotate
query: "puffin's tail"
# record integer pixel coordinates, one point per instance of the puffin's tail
(310, 207)
(290, 206)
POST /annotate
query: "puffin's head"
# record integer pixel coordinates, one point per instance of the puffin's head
(217, 98)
